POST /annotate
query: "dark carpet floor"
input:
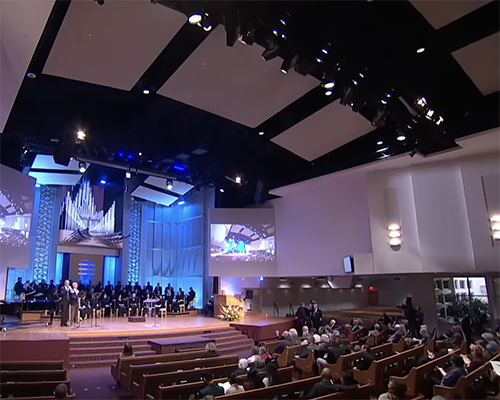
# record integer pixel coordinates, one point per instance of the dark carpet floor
(96, 384)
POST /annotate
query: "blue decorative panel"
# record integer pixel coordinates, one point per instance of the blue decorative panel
(134, 240)
(109, 269)
(43, 234)
(59, 267)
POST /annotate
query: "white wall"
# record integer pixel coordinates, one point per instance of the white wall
(316, 228)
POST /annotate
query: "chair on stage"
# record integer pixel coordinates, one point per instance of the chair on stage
(192, 303)
(182, 306)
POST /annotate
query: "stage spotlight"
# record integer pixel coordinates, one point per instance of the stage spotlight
(329, 85)
(128, 175)
(195, 19)
(221, 190)
(380, 142)
(145, 91)
(82, 167)
(420, 50)
(346, 98)
(170, 184)
(102, 181)
(261, 279)
(272, 50)
(238, 180)
(37, 185)
(379, 119)
(401, 138)
(288, 63)
(328, 93)
(80, 135)
(120, 154)
(261, 133)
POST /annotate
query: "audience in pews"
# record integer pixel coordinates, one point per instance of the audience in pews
(287, 342)
(477, 357)
(235, 386)
(211, 388)
(272, 377)
(395, 391)
(211, 350)
(366, 359)
(255, 359)
(254, 381)
(327, 386)
(242, 367)
(61, 391)
(400, 333)
(457, 370)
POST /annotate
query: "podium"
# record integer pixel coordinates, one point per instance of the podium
(226, 300)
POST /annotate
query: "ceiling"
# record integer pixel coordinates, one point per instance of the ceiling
(221, 111)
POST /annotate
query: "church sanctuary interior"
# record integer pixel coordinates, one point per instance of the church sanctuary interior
(249, 199)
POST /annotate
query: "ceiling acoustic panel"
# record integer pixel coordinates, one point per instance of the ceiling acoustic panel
(111, 45)
(235, 82)
(440, 13)
(326, 130)
(179, 187)
(480, 60)
(153, 196)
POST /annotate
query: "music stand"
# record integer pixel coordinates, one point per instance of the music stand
(150, 302)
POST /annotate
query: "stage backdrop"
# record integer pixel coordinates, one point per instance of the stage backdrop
(173, 244)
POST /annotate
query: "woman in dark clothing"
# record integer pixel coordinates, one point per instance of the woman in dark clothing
(272, 377)
(317, 316)
(253, 380)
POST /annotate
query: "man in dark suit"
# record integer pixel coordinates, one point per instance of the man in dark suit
(302, 315)
(212, 389)
(366, 360)
(64, 303)
(326, 386)
(316, 316)
(287, 342)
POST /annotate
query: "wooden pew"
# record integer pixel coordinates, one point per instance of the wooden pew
(31, 365)
(270, 345)
(383, 337)
(68, 397)
(285, 359)
(149, 383)
(137, 371)
(379, 372)
(306, 366)
(361, 393)
(349, 361)
(355, 336)
(290, 390)
(415, 379)
(33, 376)
(31, 389)
(183, 391)
(399, 347)
(471, 386)
(124, 364)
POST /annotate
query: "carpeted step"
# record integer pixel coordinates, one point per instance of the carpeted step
(115, 348)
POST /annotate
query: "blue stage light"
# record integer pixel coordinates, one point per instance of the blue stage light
(181, 202)
(261, 279)
(179, 167)
(130, 156)
(37, 185)
(103, 182)
(120, 154)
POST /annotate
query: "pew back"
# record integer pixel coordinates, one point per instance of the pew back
(30, 389)
(355, 336)
(32, 376)
(361, 393)
(31, 365)
(270, 345)
(285, 359)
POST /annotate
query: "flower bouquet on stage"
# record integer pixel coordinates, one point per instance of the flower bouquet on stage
(231, 312)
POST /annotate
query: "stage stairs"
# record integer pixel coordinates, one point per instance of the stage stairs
(98, 351)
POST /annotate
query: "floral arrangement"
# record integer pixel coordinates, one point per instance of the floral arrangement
(231, 313)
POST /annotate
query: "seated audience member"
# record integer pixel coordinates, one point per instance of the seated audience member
(128, 351)
(294, 336)
(272, 377)
(264, 354)
(358, 324)
(61, 391)
(287, 342)
(456, 340)
(347, 330)
(400, 332)
(254, 381)
(305, 332)
(324, 387)
(366, 359)
(477, 357)
(492, 348)
(242, 367)
(235, 387)
(255, 357)
(210, 350)
(332, 354)
(211, 388)
(424, 333)
(395, 391)
(384, 319)
(453, 375)
(333, 324)
(323, 346)
(304, 353)
(121, 306)
(376, 331)
(442, 348)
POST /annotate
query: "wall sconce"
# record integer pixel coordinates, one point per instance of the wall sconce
(495, 227)
(394, 234)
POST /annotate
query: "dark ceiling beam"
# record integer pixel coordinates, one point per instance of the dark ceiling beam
(300, 109)
(472, 27)
(160, 190)
(182, 45)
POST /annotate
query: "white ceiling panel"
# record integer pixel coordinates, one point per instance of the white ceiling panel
(324, 131)
(44, 161)
(442, 12)
(480, 60)
(114, 44)
(154, 196)
(235, 82)
(55, 178)
(178, 187)
(21, 25)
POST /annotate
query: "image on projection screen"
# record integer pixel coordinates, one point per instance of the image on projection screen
(242, 242)
(15, 220)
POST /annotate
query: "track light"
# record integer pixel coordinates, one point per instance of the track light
(128, 175)
(82, 167)
(329, 84)
(170, 184)
(195, 19)
(181, 201)
(289, 63)
(238, 180)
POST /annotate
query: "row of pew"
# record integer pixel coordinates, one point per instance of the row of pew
(32, 380)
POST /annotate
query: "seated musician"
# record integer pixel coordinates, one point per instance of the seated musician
(190, 297)
(84, 307)
(133, 304)
(179, 299)
(106, 304)
(121, 306)
(95, 303)
(160, 303)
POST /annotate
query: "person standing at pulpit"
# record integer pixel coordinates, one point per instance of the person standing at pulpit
(73, 303)
(64, 303)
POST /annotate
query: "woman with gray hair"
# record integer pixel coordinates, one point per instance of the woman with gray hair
(210, 350)
(294, 335)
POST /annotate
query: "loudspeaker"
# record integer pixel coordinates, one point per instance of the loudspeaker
(64, 151)
(249, 295)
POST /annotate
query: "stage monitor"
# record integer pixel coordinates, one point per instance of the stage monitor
(242, 242)
(17, 191)
(348, 264)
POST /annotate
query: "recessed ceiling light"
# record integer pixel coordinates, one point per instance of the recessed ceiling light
(329, 85)
(145, 91)
(140, 154)
(207, 28)
(128, 175)
(195, 19)
(103, 182)
(401, 138)
(284, 71)
(221, 190)
(383, 101)
(420, 50)
(31, 75)
(81, 135)
(325, 51)
(380, 142)
(261, 133)
(328, 93)
(319, 60)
